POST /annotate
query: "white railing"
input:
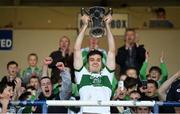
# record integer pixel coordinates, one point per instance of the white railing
(44, 104)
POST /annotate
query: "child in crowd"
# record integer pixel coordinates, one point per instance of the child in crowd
(32, 70)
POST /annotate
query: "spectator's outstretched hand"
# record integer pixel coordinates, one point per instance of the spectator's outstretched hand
(47, 60)
(162, 57)
(147, 55)
(177, 74)
(60, 66)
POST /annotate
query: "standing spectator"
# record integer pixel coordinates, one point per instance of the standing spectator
(131, 54)
(32, 70)
(94, 83)
(63, 54)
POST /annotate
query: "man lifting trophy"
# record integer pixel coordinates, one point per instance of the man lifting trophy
(96, 15)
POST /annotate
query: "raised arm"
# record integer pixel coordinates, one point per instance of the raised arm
(47, 61)
(144, 67)
(111, 52)
(65, 90)
(164, 70)
(162, 91)
(78, 60)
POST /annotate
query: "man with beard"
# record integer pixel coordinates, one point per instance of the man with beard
(47, 87)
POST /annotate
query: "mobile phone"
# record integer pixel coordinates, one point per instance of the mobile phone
(121, 85)
(144, 84)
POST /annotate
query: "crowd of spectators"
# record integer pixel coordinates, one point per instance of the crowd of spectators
(88, 74)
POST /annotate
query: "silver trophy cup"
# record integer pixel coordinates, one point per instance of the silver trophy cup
(97, 25)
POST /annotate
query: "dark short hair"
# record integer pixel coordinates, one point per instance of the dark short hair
(24, 96)
(156, 68)
(134, 91)
(4, 84)
(130, 29)
(130, 82)
(30, 87)
(133, 68)
(44, 77)
(161, 10)
(11, 63)
(153, 82)
(34, 77)
(33, 54)
(94, 52)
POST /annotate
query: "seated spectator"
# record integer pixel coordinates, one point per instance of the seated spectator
(47, 87)
(156, 73)
(6, 94)
(32, 70)
(160, 21)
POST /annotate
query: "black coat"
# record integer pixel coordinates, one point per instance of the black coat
(68, 62)
(51, 109)
(123, 58)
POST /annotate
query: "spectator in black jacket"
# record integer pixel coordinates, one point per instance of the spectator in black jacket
(174, 95)
(131, 54)
(63, 54)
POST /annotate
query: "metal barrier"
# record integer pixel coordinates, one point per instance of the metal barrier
(44, 104)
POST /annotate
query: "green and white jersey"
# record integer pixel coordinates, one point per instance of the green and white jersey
(95, 87)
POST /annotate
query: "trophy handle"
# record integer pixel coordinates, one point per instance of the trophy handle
(84, 11)
(110, 11)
